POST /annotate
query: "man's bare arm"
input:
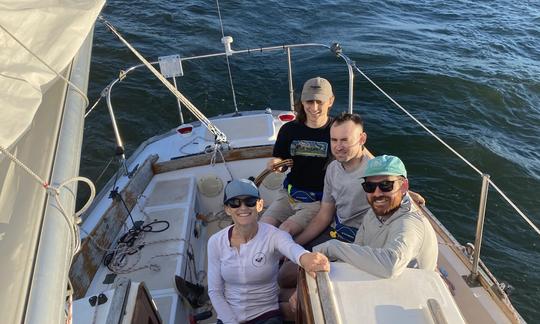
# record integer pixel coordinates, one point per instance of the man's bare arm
(317, 224)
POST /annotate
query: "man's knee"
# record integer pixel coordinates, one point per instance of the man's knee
(288, 274)
(270, 220)
(291, 227)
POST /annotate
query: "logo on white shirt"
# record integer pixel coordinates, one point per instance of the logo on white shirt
(259, 259)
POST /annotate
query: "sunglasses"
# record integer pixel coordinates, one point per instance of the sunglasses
(236, 202)
(385, 186)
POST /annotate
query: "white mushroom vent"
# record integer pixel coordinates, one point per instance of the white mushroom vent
(210, 185)
(273, 181)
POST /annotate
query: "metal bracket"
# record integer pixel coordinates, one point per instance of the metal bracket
(472, 280)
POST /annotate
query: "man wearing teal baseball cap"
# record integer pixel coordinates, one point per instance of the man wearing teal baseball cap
(394, 234)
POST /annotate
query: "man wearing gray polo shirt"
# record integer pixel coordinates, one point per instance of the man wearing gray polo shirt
(344, 202)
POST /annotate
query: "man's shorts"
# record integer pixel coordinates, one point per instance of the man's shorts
(284, 207)
(346, 234)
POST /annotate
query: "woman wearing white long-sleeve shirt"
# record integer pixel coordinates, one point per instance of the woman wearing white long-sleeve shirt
(243, 260)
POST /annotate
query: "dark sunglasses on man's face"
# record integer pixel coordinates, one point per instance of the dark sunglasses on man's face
(385, 186)
(236, 202)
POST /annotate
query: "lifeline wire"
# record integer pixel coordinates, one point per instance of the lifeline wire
(510, 202)
(220, 136)
(227, 58)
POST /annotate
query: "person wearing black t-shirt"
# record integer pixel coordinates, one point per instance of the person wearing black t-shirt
(307, 142)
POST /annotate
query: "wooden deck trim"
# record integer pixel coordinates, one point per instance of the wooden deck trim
(304, 313)
(88, 259)
(237, 154)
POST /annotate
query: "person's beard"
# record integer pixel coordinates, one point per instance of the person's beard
(393, 204)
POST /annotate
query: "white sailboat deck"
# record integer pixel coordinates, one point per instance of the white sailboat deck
(179, 195)
(362, 297)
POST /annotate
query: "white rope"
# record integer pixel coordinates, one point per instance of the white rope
(452, 150)
(213, 159)
(79, 91)
(220, 136)
(227, 59)
(55, 191)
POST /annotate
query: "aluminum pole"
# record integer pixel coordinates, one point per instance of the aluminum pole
(179, 103)
(480, 226)
(291, 90)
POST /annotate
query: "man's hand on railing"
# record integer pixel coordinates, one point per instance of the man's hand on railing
(417, 198)
(278, 165)
(271, 162)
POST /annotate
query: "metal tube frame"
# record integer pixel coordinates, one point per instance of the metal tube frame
(351, 87)
(179, 104)
(123, 74)
(287, 48)
(291, 89)
(120, 152)
(479, 227)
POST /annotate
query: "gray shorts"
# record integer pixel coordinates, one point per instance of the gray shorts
(284, 207)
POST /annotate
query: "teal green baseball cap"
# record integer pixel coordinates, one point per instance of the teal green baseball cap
(385, 165)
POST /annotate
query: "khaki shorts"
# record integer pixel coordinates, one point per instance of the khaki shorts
(284, 207)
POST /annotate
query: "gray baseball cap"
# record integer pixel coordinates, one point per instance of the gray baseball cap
(240, 187)
(317, 89)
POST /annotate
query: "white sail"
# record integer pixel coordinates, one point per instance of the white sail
(54, 31)
(41, 124)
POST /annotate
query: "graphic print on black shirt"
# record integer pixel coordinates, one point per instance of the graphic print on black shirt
(309, 148)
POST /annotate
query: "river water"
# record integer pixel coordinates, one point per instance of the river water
(469, 70)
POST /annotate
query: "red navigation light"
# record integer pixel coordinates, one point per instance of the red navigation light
(286, 117)
(184, 129)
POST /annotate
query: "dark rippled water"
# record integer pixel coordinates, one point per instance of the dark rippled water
(470, 70)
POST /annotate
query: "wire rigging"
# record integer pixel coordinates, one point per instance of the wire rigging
(472, 166)
(227, 59)
(220, 137)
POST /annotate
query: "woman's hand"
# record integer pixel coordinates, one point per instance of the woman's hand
(314, 262)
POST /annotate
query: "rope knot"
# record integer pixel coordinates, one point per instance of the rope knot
(53, 191)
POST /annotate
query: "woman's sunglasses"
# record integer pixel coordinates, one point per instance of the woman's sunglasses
(385, 186)
(236, 202)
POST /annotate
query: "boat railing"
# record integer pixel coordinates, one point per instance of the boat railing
(334, 48)
(220, 137)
